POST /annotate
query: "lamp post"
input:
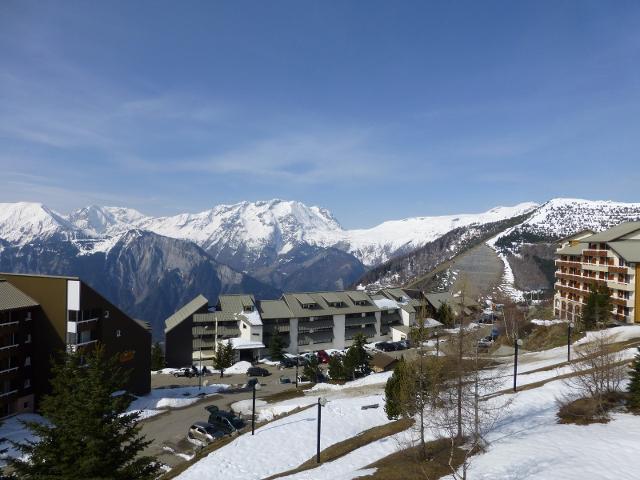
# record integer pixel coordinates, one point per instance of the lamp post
(297, 363)
(437, 343)
(321, 403)
(256, 386)
(200, 373)
(569, 328)
(518, 343)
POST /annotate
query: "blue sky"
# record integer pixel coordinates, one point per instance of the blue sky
(375, 110)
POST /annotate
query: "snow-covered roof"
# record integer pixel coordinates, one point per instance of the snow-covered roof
(252, 317)
(385, 303)
(242, 344)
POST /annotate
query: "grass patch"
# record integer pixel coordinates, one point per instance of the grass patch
(543, 338)
(408, 465)
(347, 446)
(286, 394)
(586, 410)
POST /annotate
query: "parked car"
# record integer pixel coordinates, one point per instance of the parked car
(323, 357)
(288, 362)
(184, 372)
(205, 432)
(257, 372)
(404, 344)
(386, 346)
(226, 421)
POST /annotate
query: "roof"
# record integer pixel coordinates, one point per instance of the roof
(577, 236)
(235, 303)
(331, 297)
(322, 307)
(143, 324)
(614, 233)
(270, 309)
(571, 249)
(437, 299)
(12, 299)
(401, 328)
(64, 277)
(358, 296)
(382, 361)
(628, 249)
(185, 312)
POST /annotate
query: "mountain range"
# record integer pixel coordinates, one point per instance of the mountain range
(151, 265)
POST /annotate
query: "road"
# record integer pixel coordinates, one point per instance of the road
(169, 429)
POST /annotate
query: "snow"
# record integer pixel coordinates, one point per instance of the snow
(373, 379)
(286, 443)
(243, 344)
(547, 323)
(252, 317)
(160, 399)
(13, 430)
(25, 222)
(386, 304)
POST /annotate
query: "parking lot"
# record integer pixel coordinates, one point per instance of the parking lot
(168, 430)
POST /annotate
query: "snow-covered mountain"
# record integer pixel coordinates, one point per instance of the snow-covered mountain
(561, 217)
(26, 222)
(99, 222)
(257, 232)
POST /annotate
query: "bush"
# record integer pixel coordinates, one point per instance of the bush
(587, 410)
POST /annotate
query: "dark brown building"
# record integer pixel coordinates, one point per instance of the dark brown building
(178, 333)
(70, 315)
(18, 314)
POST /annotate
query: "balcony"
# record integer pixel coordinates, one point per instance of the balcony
(613, 285)
(368, 332)
(74, 347)
(618, 269)
(595, 267)
(594, 253)
(9, 347)
(7, 394)
(357, 321)
(568, 264)
(389, 319)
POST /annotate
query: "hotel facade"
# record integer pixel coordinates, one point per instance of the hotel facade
(610, 258)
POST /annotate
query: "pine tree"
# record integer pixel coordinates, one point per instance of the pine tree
(157, 357)
(90, 435)
(356, 357)
(597, 310)
(336, 368)
(400, 391)
(312, 369)
(223, 357)
(634, 384)
(276, 346)
(445, 315)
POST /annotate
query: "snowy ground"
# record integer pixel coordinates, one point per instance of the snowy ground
(162, 399)
(286, 443)
(13, 430)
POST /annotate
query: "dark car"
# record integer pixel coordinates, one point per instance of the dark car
(224, 420)
(288, 362)
(257, 372)
(184, 372)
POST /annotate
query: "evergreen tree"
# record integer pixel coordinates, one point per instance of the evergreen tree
(400, 391)
(90, 435)
(445, 315)
(157, 357)
(356, 357)
(223, 357)
(634, 384)
(336, 368)
(276, 346)
(597, 310)
(311, 369)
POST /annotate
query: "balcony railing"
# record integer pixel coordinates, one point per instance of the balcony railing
(75, 346)
(8, 370)
(594, 253)
(6, 394)
(357, 321)
(7, 347)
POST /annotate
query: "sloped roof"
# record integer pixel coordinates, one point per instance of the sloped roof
(382, 361)
(11, 298)
(270, 309)
(322, 307)
(614, 233)
(628, 249)
(572, 249)
(186, 311)
(235, 303)
(358, 296)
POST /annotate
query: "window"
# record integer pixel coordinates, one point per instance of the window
(28, 317)
(27, 362)
(106, 314)
(27, 383)
(25, 405)
(28, 339)
(118, 333)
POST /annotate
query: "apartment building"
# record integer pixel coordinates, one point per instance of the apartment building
(608, 258)
(18, 313)
(56, 313)
(305, 322)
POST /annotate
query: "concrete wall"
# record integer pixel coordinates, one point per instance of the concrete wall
(338, 332)
(293, 336)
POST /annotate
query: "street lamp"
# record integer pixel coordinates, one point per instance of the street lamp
(569, 328)
(518, 343)
(297, 363)
(437, 343)
(321, 403)
(256, 386)
(206, 327)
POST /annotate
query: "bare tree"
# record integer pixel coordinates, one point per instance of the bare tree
(598, 370)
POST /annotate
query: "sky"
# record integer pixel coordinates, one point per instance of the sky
(375, 110)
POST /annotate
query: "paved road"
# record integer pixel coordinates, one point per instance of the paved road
(169, 429)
